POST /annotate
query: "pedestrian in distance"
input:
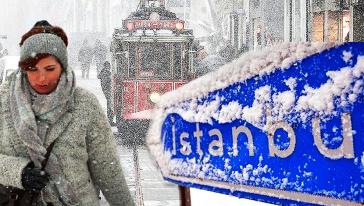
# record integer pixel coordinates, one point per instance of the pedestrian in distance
(85, 58)
(3, 51)
(99, 52)
(105, 80)
(57, 148)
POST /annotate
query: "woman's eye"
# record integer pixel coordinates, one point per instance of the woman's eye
(32, 69)
(50, 68)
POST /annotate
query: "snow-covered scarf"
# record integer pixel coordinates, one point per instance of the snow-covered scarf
(33, 114)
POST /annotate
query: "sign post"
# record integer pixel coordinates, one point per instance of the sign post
(185, 197)
(282, 126)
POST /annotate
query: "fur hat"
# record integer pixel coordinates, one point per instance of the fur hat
(43, 38)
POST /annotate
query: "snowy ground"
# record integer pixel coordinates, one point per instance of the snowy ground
(154, 190)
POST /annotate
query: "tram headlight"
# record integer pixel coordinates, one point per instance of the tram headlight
(154, 97)
(179, 26)
(130, 26)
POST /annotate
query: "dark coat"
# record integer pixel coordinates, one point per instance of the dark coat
(105, 79)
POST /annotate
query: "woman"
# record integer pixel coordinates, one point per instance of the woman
(56, 143)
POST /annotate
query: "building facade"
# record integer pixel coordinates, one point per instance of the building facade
(260, 23)
(266, 23)
(335, 20)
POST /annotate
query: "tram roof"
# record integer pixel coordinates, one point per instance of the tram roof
(143, 13)
(164, 39)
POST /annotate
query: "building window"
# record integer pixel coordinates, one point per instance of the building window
(257, 35)
(346, 25)
(337, 25)
(318, 27)
(333, 26)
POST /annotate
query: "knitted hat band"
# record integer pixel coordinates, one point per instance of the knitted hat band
(45, 43)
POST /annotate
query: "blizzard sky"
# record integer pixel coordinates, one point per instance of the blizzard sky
(18, 16)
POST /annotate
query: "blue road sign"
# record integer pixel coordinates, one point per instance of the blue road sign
(292, 135)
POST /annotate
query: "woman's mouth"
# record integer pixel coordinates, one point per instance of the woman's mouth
(41, 87)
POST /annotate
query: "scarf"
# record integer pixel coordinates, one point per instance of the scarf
(32, 115)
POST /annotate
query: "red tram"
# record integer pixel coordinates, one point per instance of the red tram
(152, 54)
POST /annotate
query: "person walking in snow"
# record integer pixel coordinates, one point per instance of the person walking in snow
(85, 58)
(105, 80)
(3, 52)
(100, 51)
(57, 147)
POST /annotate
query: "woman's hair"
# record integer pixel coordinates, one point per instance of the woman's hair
(45, 27)
(39, 28)
(29, 63)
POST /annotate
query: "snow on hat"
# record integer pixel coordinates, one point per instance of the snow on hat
(45, 43)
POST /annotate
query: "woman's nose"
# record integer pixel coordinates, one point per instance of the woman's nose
(42, 77)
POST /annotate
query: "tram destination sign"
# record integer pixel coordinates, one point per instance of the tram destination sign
(283, 125)
(152, 24)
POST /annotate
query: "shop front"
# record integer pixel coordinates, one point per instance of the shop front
(336, 20)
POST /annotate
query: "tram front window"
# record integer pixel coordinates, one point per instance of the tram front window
(155, 60)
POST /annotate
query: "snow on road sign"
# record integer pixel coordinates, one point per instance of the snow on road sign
(282, 125)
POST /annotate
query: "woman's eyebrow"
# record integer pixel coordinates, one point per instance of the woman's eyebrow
(49, 66)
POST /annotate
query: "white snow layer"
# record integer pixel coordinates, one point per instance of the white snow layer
(343, 84)
(347, 55)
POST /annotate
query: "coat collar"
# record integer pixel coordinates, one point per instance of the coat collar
(58, 128)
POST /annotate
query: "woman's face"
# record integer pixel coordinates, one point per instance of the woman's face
(44, 77)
